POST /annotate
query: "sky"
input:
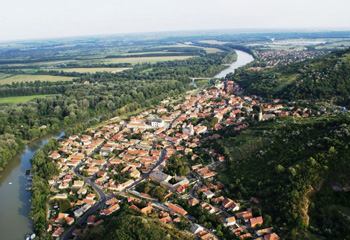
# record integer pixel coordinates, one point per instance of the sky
(35, 19)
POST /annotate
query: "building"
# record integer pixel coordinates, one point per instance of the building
(256, 221)
(180, 182)
(208, 194)
(189, 131)
(159, 177)
(157, 123)
(230, 221)
(80, 211)
(177, 209)
(195, 228)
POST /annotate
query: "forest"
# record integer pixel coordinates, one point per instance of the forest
(293, 160)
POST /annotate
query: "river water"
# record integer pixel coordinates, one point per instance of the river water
(242, 59)
(14, 199)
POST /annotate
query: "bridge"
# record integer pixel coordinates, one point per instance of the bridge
(199, 78)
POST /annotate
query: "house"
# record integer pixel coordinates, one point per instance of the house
(204, 235)
(195, 228)
(157, 123)
(272, 236)
(264, 231)
(208, 207)
(208, 194)
(55, 155)
(69, 220)
(60, 196)
(177, 209)
(78, 184)
(230, 221)
(200, 129)
(110, 210)
(57, 232)
(80, 211)
(91, 219)
(60, 217)
(159, 177)
(244, 236)
(90, 196)
(229, 204)
(193, 202)
(146, 210)
(135, 174)
(256, 221)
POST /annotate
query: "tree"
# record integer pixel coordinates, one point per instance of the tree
(64, 205)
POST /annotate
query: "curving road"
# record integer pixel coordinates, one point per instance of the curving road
(102, 196)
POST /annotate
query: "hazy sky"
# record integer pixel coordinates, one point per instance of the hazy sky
(27, 19)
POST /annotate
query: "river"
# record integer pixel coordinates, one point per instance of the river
(242, 59)
(15, 206)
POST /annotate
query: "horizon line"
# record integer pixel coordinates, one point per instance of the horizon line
(222, 31)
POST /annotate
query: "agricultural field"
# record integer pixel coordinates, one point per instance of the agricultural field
(32, 78)
(143, 53)
(4, 75)
(20, 99)
(90, 70)
(207, 49)
(334, 45)
(136, 60)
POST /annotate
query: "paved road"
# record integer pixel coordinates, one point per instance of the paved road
(145, 176)
(102, 196)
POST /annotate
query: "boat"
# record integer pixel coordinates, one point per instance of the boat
(30, 236)
(10, 183)
(28, 172)
(30, 178)
(28, 188)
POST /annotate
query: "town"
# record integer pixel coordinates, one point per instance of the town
(156, 163)
(273, 58)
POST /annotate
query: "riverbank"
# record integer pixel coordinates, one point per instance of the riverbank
(243, 58)
(15, 203)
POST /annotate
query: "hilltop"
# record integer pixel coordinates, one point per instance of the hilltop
(326, 77)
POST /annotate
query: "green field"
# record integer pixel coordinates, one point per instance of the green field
(20, 99)
(207, 49)
(4, 75)
(143, 53)
(136, 60)
(89, 70)
(29, 78)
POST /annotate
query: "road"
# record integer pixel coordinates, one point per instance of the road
(102, 199)
(145, 176)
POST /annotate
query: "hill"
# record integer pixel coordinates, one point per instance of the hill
(326, 77)
(294, 167)
(130, 227)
